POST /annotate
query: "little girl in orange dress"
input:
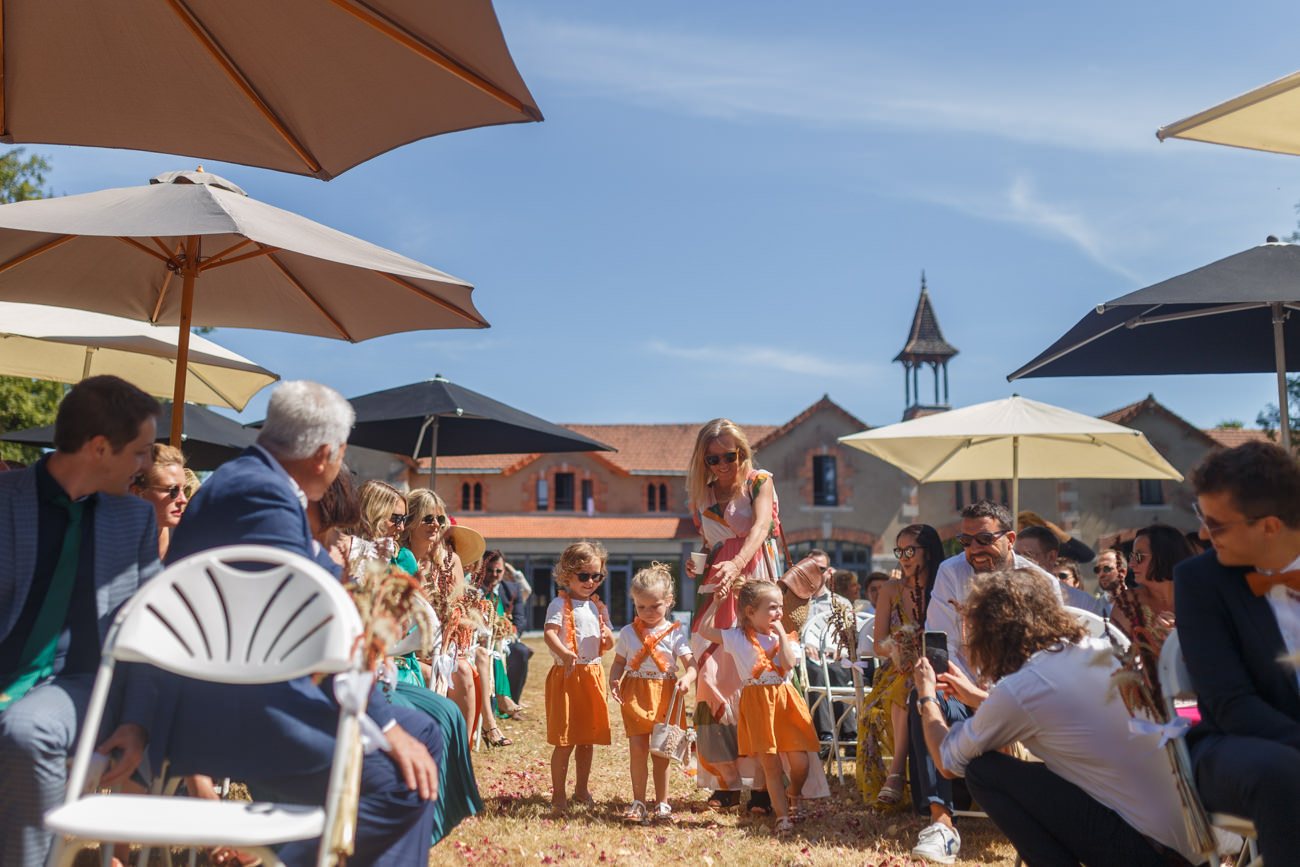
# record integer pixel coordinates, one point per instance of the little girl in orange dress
(577, 633)
(774, 724)
(643, 680)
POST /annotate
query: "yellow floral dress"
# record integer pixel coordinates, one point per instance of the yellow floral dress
(891, 686)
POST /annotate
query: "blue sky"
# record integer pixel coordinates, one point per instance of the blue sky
(729, 205)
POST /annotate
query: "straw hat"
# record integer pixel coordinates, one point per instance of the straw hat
(468, 543)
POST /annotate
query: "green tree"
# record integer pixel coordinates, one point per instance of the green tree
(25, 403)
(1270, 417)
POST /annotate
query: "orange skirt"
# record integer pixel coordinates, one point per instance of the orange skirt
(576, 712)
(774, 718)
(645, 702)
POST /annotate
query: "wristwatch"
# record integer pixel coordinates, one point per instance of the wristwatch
(928, 698)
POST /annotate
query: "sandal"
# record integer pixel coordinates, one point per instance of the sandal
(663, 812)
(636, 814)
(892, 791)
(724, 799)
(760, 803)
(796, 809)
(784, 827)
(494, 737)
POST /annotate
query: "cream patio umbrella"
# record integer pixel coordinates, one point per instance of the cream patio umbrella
(194, 249)
(1014, 438)
(312, 87)
(63, 345)
(1265, 119)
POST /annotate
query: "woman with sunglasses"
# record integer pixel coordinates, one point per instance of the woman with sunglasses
(735, 509)
(1149, 607)
(431, 537)
(900, 618)
(163, 486)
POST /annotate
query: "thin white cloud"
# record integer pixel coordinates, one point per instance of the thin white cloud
(837, 86)
(781, 360)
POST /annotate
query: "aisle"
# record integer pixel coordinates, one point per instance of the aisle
(515, 827)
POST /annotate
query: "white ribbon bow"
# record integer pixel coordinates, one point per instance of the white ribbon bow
(860, 666)
(1175, 728)
(352, 690)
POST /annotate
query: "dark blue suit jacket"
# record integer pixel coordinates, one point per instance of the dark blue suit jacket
(251, 732)
(515, 603)
(1231, 642)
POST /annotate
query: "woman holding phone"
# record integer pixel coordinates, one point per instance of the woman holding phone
(735, 509)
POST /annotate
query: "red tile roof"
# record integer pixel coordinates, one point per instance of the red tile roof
(1233, 437)
(579, 526)
(643, 449)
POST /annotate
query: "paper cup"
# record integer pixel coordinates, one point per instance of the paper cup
(700, 560)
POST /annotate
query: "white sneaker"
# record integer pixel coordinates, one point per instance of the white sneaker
(939, 843)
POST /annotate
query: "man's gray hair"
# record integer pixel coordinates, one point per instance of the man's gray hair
(303, 416)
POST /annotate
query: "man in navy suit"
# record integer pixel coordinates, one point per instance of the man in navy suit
(75, 547)
(512, 597)
(1238, 614)
(279, 738)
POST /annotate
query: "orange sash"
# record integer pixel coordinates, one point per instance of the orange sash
(764, 662)
(649, 647)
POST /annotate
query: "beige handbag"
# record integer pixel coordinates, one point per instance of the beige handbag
(672, 739)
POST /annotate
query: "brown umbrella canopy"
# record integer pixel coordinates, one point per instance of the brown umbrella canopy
(312, 87)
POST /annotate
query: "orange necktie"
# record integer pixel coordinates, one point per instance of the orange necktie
(1260, 582)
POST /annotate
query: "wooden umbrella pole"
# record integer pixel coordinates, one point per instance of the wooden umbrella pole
(188, 271)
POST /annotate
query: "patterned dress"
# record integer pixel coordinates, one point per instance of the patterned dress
(890, 687)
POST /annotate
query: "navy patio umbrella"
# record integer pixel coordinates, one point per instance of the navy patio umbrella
(1231, 316)
(438, 417)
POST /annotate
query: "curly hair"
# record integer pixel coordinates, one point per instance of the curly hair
(656, 579)
(1010, 616)
(573, 558)
(750, 596)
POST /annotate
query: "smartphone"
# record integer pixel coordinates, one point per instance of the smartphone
(934, 644)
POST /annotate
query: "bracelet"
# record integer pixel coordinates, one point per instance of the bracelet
(921, 701)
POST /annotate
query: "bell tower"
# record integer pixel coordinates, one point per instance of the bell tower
(925, 345)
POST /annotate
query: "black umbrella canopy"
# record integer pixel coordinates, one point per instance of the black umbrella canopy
(1231, 316)
(402, 420)
(209, 439)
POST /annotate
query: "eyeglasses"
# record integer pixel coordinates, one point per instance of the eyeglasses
(1214, 527)
(905, 553)
(727, 458)
(399, 521)
(1102, 570)
(1065, 576)
(982, 539)
(588, 577)
(1139, 557)
(173, 491)
(431, 518)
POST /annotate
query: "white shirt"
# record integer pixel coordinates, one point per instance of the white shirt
(821, 603)
(586, 627)
(736, 643)
(1285, 603)
(674, 647)
(951, 585)
(1060, 704)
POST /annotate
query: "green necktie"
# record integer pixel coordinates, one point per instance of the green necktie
(38, 653)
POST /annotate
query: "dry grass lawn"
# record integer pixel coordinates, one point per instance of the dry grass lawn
(515, 827)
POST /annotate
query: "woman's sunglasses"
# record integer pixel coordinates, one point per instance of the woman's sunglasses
(728, 458)
(173, 491)
(431, 519)
(905, 553)
(399, 521)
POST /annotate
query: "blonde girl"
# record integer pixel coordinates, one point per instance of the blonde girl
(643, 680)
(774, 723)
(577, 633)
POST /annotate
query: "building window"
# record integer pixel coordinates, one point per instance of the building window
(663, 498)
(564, 498)
(478, 497)
(543, 495)
(471, 497)
(988, 491)
(650, 500)
(974, 492)
(959, 492)
(1151, 492)
(464, 497)
(588, 496)
(1005, 500)
(825, 490)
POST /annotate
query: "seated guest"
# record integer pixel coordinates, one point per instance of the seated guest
(821, 603)
(1150, 605)
(514, 597)
(163, 487)
(75, 548)
(279, 738)
(875, 581)
(1040, 545)
(845, 584)
(1238, 617)
(1098, 795)
(1110, 570)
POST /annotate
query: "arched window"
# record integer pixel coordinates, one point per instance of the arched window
(663, 497)
(650, 496)
(959, 499)
(478, 497)
(464, 497)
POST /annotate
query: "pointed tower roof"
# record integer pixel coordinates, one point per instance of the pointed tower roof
(925, 342)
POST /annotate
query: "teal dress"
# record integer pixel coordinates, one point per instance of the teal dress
(408, 667)
(458, 796)
(498, 664)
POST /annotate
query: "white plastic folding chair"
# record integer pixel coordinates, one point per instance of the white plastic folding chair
(1098, 626)
(1176, 684)
(243, 614)
(818, 637)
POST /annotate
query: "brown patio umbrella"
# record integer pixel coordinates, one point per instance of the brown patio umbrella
(194, 249)
(312, 87)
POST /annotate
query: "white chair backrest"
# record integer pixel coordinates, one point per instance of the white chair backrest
(411, 641)
(1097, 625)
(1175, 680)
(240, 614)
(866, 634)
(814, 630)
